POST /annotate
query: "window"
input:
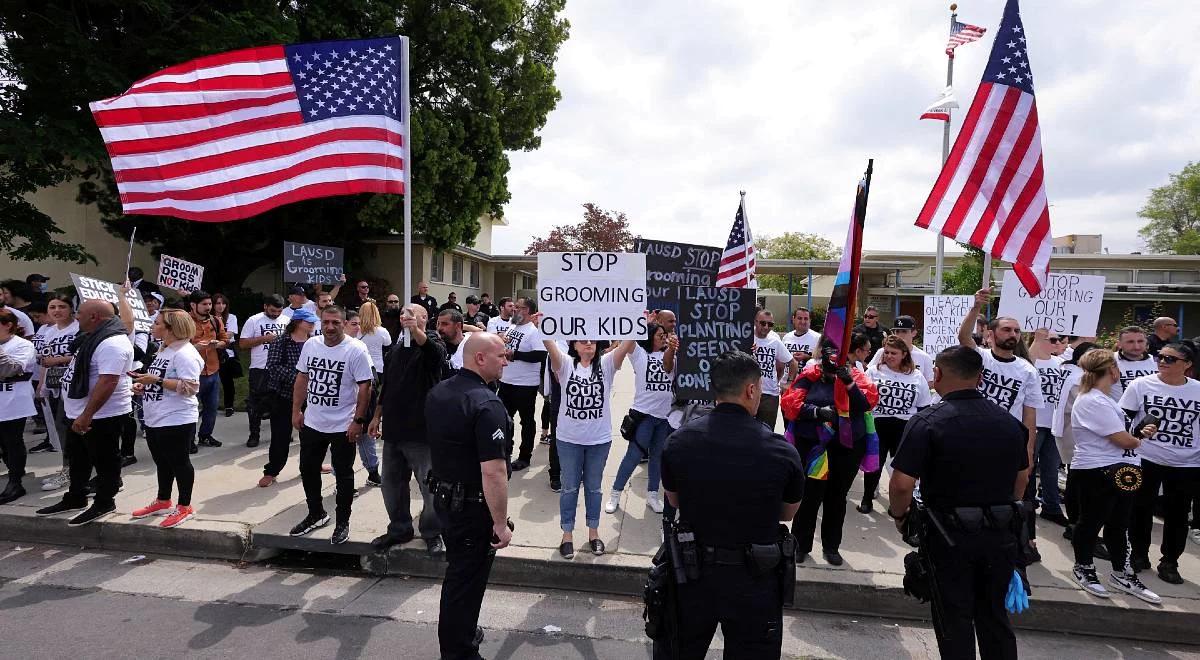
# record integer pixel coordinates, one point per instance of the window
(475, 274)
(437, 267)
(456, 270)
(527, 281)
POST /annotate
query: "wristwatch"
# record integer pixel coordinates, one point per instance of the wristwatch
(896, 517)
(361, 421)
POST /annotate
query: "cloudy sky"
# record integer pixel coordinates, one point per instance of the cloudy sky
(670, 107)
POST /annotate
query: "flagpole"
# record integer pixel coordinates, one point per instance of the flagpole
(940, 261)
(408, 166)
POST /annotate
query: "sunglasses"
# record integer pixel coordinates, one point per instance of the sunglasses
(767, 324)
(871, 316)
(1054, 340)
(393, 302)
(1168, 359)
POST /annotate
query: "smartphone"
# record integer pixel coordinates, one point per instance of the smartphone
(1148, 420)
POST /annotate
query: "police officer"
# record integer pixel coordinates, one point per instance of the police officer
(970, 455)
(469, 432)
(736, 526)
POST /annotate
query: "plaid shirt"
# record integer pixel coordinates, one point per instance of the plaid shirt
(282, 356)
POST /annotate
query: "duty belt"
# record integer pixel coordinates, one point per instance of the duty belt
(711, 554)
(454, 490)
(977, 518)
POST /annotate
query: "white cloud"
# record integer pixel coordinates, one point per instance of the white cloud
(670, 108)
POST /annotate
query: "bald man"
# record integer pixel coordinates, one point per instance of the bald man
(97, 397)
(1166, 330)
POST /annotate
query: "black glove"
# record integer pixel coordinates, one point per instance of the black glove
(844, 375)
(826, 414)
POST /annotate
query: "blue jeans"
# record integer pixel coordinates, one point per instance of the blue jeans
(209, 395)
(581, 464)
(650, 436)
(1045, 468)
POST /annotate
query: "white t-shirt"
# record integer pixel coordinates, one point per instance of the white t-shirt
(455, 360)
(900, 395)
(375, 341)
(653, 389)
(1094, 417)
(16, 397)
(53, 341)
(805, 343)
(1051, 374)
(334, 373)
(771, 354)
(231, 327)
(920, 359)
(498, 325)
(523, 338)
(113, 357)
(1178, 409)
(165, 406)
(585, 415)
(23, 320)
(1011, 384)
(259, 325)
(1132, 370)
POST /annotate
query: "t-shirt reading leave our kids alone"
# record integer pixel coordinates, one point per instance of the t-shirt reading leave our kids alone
(334, 373)
(498, 325)
(1010, 383)
(522, 338)
(259, 325)
(805, 343)
(900, 395)
(1051, 374)
(1132, 370)
(113, 357)
(16, 395)
(652, 386)
(585, 414)
(920, 359)
(771, 354)
(164, 406)
(1178, 410)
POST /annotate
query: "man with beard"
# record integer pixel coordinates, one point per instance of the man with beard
(501, 323)
(1132, 359)
(450, 329)
(259, 331)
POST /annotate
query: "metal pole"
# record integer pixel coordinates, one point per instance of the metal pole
(789, 297)
(408, 167)
(940, 261)
(810, 283)
(897, 307)
(1179, 323)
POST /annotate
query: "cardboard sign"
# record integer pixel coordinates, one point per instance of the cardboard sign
(943, 317)
(311, 264)
(177, 274)
(1069, 304)
(710, 322)
(90, 288)
(592, 295)
(670, 265)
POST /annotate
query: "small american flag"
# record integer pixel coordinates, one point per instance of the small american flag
(230, 136)
(990, 193)
(737, 263)
(962, 33)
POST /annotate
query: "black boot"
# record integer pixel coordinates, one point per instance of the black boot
(14, 491)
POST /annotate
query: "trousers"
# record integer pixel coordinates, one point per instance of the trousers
(1100, 506)
(281, 435)
(258, 401)
(890, 430)
(828, 495)
(522, 399)
(1179, 486)
(169, 448)
(12, 441)
(313, 447)
(747, 607)
(402, 460)
(469, 558)
(209, 396)
(768, 410)
(972, 581)
(98, 449)
(1045, 471)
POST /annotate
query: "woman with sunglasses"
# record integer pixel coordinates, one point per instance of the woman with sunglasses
(903, 390)
(1105, 470)
(1170, 458)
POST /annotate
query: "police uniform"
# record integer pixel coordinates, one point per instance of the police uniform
(731, 476)
(967, 452)
(466, 425)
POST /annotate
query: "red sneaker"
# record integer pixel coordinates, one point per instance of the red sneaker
(156, 508)
(177, 517)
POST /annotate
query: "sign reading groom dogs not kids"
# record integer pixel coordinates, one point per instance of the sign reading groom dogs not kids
(175, 273)
(592, 295)
(311, 264)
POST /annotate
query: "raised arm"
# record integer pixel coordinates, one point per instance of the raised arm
(554, 353)
(966, 330)
(622, 350)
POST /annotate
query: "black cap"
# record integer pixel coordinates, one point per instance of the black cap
(904, 323)
(472, 300)
(297, 291)
(36, 277)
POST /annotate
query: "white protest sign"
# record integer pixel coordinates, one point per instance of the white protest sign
(943, 317)
(177, 274)
(90, 288)
(1069, 304)
(592, 295)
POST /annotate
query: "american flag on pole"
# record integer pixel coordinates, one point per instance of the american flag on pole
(962, 33)
(990, 193)
(737, 263)
(229, 136)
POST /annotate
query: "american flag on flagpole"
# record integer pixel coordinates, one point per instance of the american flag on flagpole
(737, 263)
(962, 33)
(230, 136)
(991, 193)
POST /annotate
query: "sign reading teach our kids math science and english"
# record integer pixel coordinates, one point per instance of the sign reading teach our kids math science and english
(1069, 304)
(943, 317)
(175, 273)
(311, 264)
(592, 295)
(90, 288)
(669, 265)
(711, 321)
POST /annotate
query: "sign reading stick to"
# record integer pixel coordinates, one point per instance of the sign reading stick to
(90, 288)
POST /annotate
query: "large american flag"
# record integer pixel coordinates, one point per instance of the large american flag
(737, 263)
(990, 193)
(230, 136)
(962, 33)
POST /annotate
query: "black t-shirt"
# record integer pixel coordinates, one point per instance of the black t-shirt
(876, 335)
(408, 374)
(966, 451)
(490, 310)
(732, 475)
(431, 308)
(466, 425)
(479, 319)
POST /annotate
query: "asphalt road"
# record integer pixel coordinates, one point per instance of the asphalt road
(57, 603)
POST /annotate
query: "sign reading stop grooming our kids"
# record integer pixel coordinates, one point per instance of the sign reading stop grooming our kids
(175, 273)
(1068, 304)
(592, 295)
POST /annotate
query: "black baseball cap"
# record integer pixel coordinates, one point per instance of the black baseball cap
(472, 300)
(297, 291)
(904, 323)
(36, 277)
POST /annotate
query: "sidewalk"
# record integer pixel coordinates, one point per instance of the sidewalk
(236, 520)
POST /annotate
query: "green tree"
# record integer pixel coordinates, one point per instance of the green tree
(1173, 212)
(600, 231)
(793, 245)
(482, 84)
(967, 277)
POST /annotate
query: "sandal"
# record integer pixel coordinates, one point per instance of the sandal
(597, 546)
(567, 550)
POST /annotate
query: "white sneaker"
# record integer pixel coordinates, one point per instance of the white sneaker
(1195, 535)
(1086, 577)
(654, 501)
(60, 479)
(613, 503)
(1130, 584)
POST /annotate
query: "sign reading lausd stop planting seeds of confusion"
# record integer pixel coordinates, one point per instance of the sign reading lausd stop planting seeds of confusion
(592, 295)
(1069, 304)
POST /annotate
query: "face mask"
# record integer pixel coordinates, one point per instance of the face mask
(43, 287)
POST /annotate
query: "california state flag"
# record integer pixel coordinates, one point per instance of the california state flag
(941, 107)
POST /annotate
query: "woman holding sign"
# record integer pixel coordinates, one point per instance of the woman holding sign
(903, 390)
